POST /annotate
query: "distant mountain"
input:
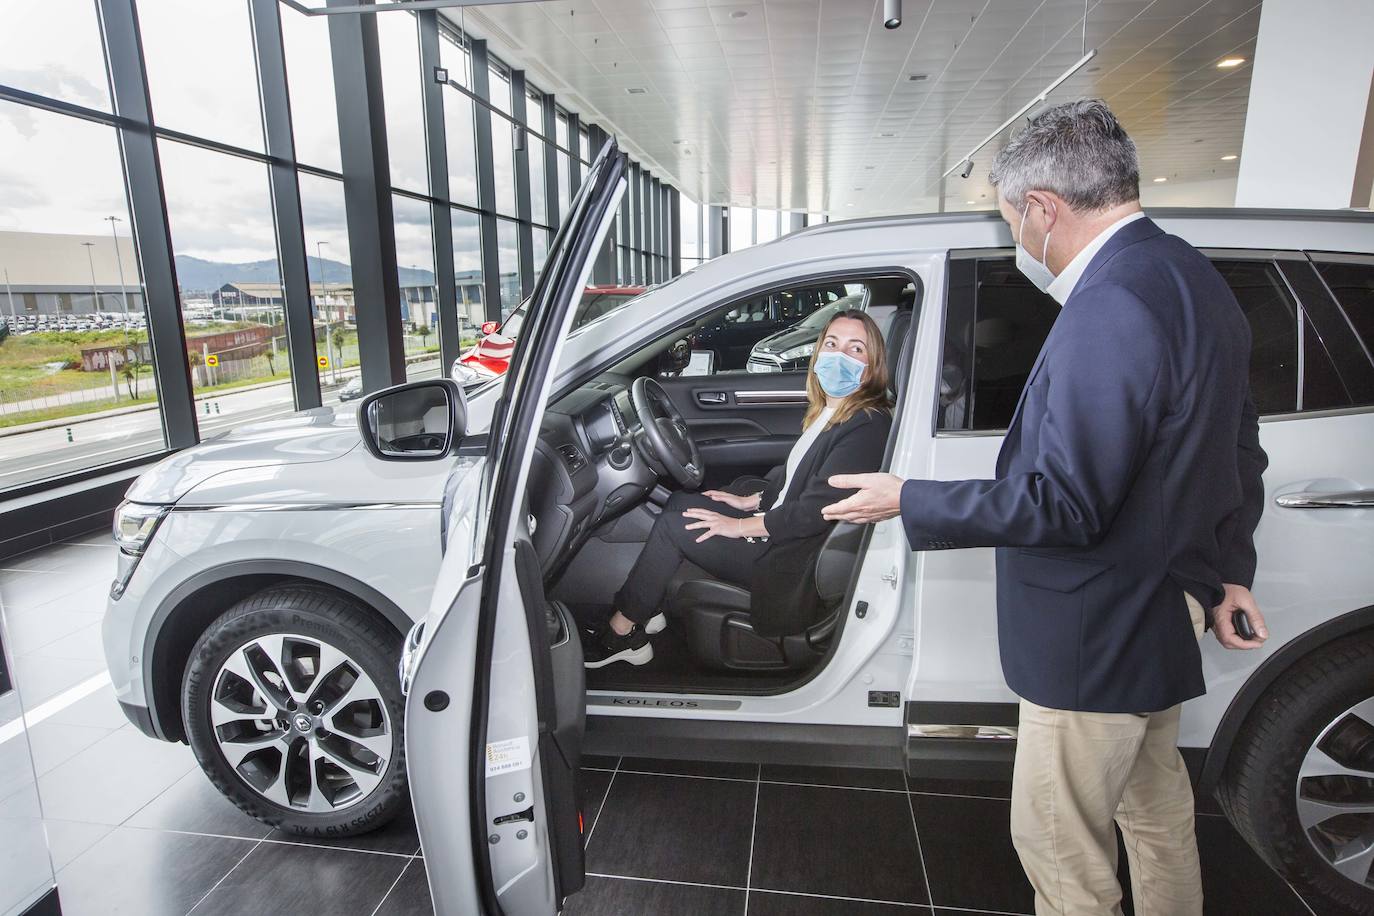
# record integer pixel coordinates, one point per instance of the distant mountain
(198, 275)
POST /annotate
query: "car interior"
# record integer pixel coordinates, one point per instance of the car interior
(612, 451)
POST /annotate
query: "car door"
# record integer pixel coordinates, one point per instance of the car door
(495, 698)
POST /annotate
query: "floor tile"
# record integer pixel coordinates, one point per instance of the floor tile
(410, 896)
(1234, 879)
(83, 644)
(622, 897)
(113, 778)
(598, 762)
(594, 785)
(690, 767)
(67, 840)
(967, 847)
(194, 805)
(67, 558)
(982, 788)
(765, 903)
(146, 873)
(282, 878)
(851, 777)
(40, 679)
(29, 629)
(58, 591)
(823, 841)
(54, 743)
(99, 710)
(399, 837)
(674, 828)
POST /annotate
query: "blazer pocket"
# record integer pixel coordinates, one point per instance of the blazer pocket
(1058, 574)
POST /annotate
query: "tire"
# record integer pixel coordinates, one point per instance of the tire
(1312, 704)
(336, 766)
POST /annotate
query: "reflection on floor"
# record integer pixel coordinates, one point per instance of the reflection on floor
(135, 828)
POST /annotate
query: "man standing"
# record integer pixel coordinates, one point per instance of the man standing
(1127, 493)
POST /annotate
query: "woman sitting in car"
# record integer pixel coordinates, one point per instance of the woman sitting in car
(765, 537)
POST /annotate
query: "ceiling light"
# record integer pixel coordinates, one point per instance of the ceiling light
(1158, 180)
(892, 14)
(739, 14)
(636, 90)
(918, 77)
(888, 136)
(1229, 62)
(971, 203)
(1228, 158)
(678, 142)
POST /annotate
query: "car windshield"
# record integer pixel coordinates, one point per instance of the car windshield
(817, 319)
(511, 326)
(593, 306)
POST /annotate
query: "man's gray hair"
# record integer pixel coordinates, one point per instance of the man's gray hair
(1078, 150)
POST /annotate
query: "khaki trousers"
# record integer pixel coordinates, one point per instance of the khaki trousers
(1076, 773)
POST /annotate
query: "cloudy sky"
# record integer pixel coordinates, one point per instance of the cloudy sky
(63, 174)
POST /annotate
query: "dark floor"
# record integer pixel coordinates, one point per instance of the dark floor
(134, 827)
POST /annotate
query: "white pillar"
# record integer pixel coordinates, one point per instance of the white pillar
(1309, 129)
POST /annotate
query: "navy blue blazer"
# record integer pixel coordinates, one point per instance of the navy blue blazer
(1129, 475)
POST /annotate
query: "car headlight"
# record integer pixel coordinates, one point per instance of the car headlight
(798, 352)
(463, 374)
(134, 524)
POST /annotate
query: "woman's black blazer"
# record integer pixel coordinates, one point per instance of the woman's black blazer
(783, 590)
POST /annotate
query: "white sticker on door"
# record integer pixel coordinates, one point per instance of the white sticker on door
(508, 756)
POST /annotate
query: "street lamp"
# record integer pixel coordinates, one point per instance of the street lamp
(90, 259)
(9, 292)
(119, 261)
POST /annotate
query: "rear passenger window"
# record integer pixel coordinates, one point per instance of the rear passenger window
(995, 326)
(1273, 316)
(1352, 283)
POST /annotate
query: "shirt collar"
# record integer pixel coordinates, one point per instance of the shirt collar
(1068, 278)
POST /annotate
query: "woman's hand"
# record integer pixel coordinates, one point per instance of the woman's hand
(713, 524)
(742, 503)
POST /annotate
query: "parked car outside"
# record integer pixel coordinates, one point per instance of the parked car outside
(352, 389)
(791, 348)
(731, 336)
(489, 357)
(271, 580)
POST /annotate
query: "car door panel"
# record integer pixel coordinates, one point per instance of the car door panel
(744, 423)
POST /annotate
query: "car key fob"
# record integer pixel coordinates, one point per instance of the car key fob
(1242, 625)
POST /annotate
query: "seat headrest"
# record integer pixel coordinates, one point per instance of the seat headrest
(897, 333)
(835, 562)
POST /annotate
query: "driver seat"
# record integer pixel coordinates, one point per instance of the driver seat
(720, 633)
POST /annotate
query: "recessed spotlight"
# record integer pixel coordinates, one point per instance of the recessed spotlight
(1158, 180)
(636, 90)
(918, 77)
(1228, 158)
(1229, 62)
(971, 203)
(739, 14)
(678, 142)
(888, 136)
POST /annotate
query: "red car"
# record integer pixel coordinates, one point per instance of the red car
(490, 356)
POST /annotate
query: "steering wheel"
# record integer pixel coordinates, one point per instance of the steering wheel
(667, 442)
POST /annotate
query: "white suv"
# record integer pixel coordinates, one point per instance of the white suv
(269, 578)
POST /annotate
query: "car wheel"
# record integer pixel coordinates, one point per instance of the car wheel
(294, 710)
(1299, 782)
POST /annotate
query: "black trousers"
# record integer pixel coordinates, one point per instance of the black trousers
(728, 559)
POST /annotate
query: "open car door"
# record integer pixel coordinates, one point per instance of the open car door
(495, 697)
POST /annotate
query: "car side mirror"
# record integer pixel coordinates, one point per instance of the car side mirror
(419, 421)
(676, 358)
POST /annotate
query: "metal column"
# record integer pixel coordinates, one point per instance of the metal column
(675, 232)
(367, 196)
(575, 155)
(603, 269)
(440, 216)
(486, 184)
(550, 129)
(148, 209)
(523, 207)
(717, 231)
(286, 203)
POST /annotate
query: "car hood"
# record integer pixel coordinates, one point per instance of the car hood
(786, 340)
(320, 434)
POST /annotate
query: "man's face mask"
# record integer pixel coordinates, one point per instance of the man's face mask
(1035, 271)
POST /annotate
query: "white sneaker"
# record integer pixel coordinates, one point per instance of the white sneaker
(657, 624)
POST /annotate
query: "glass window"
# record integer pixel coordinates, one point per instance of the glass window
(398, 37)
(1273, 316)
(74, 337)
(498, 85)
(419, 296)
(741, 228)
(539, 209)
(54, 49)
(1352, 283)
(310, 80)
(564, 175)
(815, 219)
(689, 229)
(467, 273)
(219, 208)
(767, 222)
(460, 139)
(995, 325)
(331, 282)
(541, 248)
(508, 256)
(455, 57)
(503, 163)
(202, 74)
(584, 140)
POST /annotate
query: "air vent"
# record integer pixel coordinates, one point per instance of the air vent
(573, 459)
(619, 420)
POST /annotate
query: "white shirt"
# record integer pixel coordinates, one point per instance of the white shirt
(1068, 278)
(808, 439)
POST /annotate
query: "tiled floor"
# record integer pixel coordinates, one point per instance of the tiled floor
(135, 828)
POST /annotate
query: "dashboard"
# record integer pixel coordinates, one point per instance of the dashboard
(586, 468)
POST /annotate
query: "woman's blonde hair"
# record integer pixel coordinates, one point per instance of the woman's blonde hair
(872, 392)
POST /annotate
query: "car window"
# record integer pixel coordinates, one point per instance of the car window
(995, 326)
(1273, 316)
(1352, 283)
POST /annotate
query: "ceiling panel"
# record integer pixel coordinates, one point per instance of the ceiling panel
(813, 105)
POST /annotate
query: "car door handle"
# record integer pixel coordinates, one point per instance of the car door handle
(1354, 499)
(711, 397)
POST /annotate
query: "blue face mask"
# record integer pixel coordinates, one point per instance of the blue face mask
(839, 373)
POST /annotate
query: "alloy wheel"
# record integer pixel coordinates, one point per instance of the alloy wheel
(300, 722)
(1335, 793)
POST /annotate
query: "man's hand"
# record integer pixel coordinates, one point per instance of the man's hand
(1238, 598)
(742, 503)
(879, 497)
